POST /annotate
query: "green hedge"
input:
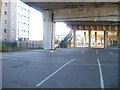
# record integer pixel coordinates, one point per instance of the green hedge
(7, 46)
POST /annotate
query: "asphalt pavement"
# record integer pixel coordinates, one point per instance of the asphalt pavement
(64, 68)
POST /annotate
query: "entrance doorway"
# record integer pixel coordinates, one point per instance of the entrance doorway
(97, 39)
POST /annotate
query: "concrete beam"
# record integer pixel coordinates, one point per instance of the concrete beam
(88, 23)
(94, 27)
(104, 13)
(70, 0)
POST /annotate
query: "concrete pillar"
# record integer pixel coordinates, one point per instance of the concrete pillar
(105, 39)
(48, 29)
(84, 38)
(118, 38)
(95, 38)
(89, 38)
(74, 39)
(101, 39)
(53, 36)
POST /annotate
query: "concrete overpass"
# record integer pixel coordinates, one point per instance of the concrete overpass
(97, 15)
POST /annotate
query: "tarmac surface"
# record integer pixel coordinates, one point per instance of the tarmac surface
(65, 68)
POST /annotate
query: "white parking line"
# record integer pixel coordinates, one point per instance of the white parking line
(109, 52)
(55, 72)
(97, 52)
(101, 75)
(51, 51)
(7, 61)
(83, 51)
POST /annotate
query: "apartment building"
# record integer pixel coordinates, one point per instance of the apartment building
(23, 21)
(15, 20)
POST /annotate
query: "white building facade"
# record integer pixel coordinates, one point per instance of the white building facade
(15, 20)
(23, 21)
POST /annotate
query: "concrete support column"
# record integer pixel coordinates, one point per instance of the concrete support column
(48, 29)
(105, 39)
(53, 36)
(95, 38)
(118, 38)
(101, 41)
(74, 39)
(89, 38)
(84, 38)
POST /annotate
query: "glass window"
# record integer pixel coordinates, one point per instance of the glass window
(5, 4)
(13, 30)
(13, 22)
(5, 30)
(5, 21)
(28, 33)
(28, 26)
(13, 14)
(13, 6)
(5, 12)
(28, 19)
(28, 12)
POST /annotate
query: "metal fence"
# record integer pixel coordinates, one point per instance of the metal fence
(6, 46)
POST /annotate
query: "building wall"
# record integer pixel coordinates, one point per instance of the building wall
(0, 20)
(14, 20)
(23, 21)
(3, 18)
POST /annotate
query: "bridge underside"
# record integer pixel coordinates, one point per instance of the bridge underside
(87, 16)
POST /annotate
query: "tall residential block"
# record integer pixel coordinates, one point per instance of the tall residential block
(15, 20)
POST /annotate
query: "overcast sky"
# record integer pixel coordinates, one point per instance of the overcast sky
(36, 28)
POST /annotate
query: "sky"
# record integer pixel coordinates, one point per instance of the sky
(62, 29)
(36, 28)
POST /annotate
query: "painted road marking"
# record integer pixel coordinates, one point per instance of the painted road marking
(97, 52)
(51, 51)
(7, 61)
(83, 51)
(109, 52)
(101, 75)
(39, 84)
(109, 65)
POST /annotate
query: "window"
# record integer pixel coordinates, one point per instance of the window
(5, 30)
(13, 22)
(19, 8)
(28, 12)
(28, 26)
(5, 21)
(19, 16)
(13, 30)
(5, 12)
(28, 33)
(5, 4)
(13, 14)
(22, 31)
(28, 19)
(13, 6)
